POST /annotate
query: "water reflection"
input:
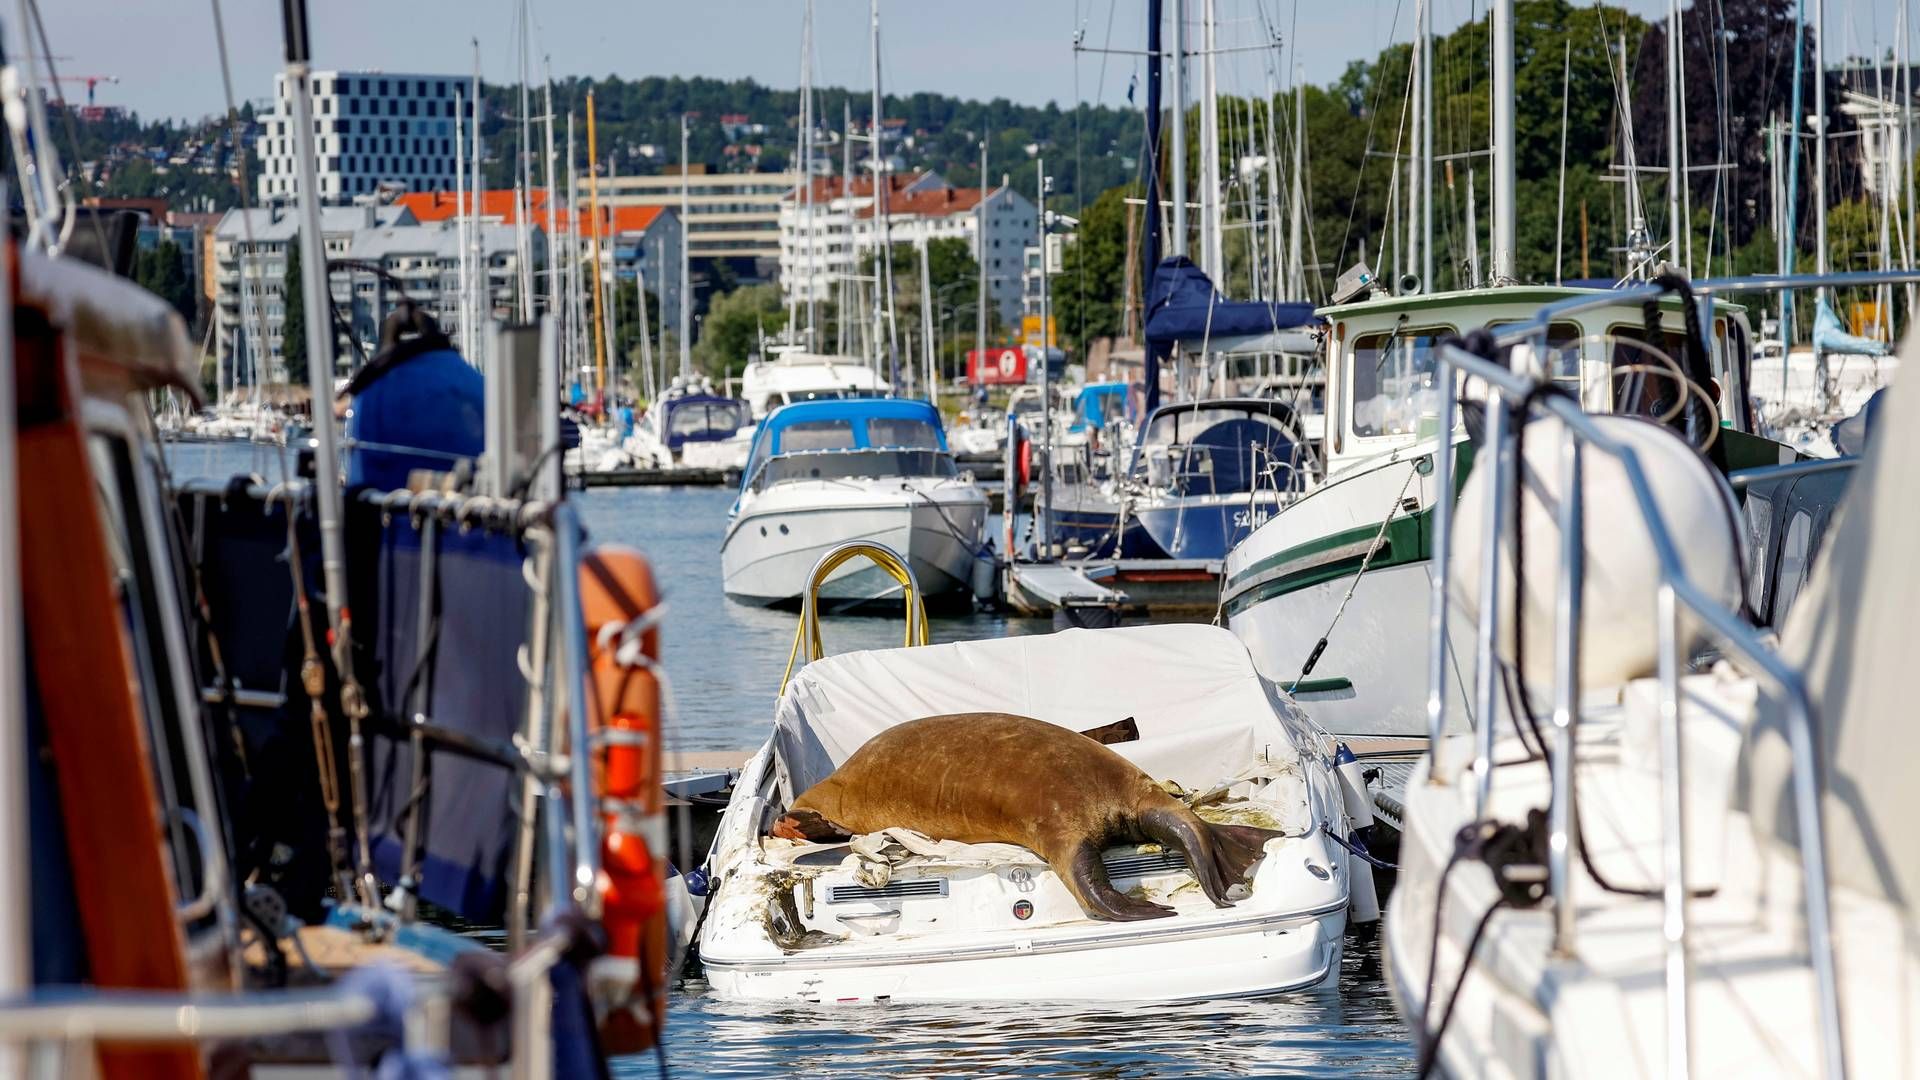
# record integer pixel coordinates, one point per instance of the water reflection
(1326, 1033)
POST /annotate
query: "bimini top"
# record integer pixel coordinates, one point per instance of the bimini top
(1098, 404)
(850, 424)
(1184, 306)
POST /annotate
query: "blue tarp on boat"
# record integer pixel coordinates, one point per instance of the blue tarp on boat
(1830, 336)
(1183, 305)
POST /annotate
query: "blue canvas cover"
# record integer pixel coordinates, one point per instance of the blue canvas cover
(435, 401)
(1183, 305)
(1830, 336)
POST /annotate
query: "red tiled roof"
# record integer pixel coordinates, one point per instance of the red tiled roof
(500, 205)
(833, 187)
(940, 202)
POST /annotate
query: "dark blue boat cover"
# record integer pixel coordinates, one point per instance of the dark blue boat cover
(1184, 306)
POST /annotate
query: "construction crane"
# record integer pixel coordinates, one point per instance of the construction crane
(91, 81)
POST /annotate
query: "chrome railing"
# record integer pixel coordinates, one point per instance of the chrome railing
(1506, 390)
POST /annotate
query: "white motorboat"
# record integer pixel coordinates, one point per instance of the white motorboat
(909, 918)
(791, 374)
(823, 473)
(1696, 865)
(691, 426)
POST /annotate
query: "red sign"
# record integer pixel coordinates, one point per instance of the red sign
(1007, 364)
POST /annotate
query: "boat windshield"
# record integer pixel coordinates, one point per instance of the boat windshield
(1218, 451)
(706, 418)
(1393, 383)
(829, 394)
(854, 465)
(1103, 409)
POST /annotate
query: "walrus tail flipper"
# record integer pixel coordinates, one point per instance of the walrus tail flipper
(1218, 855)
(1237, 847)
(1120, 731)
(1087, 880)
(808, 825)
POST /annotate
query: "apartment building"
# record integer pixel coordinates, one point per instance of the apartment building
(371, 129)
(732, 216)
(815, 258)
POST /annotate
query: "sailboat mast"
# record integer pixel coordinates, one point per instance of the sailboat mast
(926, 326)
(480, 300)
(460, 216)
(1210, 233)
(1820, 140)
(1426, 144)
(882, 195)
(1297, 212)
(805, 156)
(980, 258)
(593, 210)
(1503, 147)
(842, 331)
(686, 264)
(1177, 243)
(526, 168)
(573, 263)
(553, 198)
(1675, 178)
(1418, 116)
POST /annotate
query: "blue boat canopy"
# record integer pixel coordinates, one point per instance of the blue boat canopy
(1184, 306)
(702, 418)
(846, 424)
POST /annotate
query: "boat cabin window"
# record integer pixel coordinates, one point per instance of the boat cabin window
(816, 435)
(901, 431)
(706, 417)
(828, 395)
(854, 465)
(1393, 382)
(1639, 392)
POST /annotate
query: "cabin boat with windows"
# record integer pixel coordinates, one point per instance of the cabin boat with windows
(793, 375)
(891, 918)
(692, 427)
(822, 473)
(1286, 582)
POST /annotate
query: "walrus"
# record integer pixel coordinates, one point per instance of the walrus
(982, 778)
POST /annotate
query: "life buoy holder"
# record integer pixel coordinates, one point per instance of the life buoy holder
(618, 601)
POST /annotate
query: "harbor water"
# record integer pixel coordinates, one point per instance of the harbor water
(724, 662)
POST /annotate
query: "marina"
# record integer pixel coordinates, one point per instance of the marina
(513, 573)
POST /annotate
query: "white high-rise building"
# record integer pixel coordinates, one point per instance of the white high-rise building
(370, 128)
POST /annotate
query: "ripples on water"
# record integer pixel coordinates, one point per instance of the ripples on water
(1327, 1033)
(725, 662)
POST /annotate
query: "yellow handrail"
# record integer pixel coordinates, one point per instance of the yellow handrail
(886, 559)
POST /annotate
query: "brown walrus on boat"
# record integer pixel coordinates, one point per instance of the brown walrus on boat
(982, 778)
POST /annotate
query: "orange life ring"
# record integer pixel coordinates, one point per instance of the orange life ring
(1025, 458)
(617, 592)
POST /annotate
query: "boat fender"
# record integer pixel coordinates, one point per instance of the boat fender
(1363, 899)
(617, 597)
(1353, 787)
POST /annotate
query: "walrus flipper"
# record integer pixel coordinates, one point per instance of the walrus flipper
(1218, 855)
(1236, 848)
(811, 826)
(1120, 731)
(1087, 880)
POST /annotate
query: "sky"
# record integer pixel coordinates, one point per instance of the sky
(164, 51)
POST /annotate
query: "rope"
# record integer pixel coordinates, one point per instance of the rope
(1380, 537)
(313, 679)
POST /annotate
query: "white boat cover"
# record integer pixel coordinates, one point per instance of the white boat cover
(1204, 714)
(1851, 636)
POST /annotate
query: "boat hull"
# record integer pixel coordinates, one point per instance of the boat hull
(1259, 958)
(1204, 526)
(772, 546)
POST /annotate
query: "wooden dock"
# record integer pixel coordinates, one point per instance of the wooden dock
(1119, 586)
(677, 477)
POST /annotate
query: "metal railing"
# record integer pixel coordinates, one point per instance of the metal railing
(1506, 391)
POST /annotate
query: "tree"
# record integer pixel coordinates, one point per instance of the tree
(731, 332)
(162, 271)
(293, 327)
(954, 277)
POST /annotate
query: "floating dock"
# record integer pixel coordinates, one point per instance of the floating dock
(678, 477)
(1116, 586)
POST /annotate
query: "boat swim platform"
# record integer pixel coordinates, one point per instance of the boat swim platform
(1114, 586)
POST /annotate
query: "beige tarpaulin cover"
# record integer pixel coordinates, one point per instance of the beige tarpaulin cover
(1853, 635)
(1204, 714)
